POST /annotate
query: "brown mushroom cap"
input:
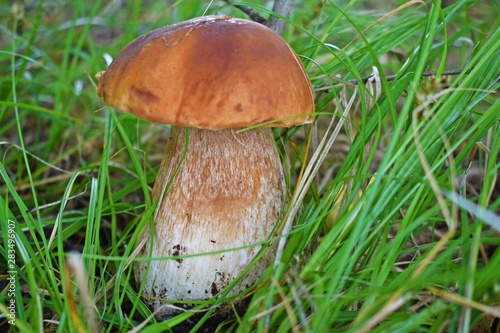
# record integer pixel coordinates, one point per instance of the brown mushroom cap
(210, 72)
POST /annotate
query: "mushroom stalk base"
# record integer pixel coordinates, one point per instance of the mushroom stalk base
(228, 193)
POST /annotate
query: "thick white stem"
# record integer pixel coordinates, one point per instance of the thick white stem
(228, 193)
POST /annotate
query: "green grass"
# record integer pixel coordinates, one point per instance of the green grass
(393, 221)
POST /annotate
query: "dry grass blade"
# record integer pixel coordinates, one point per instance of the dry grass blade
(392, 12)
(111, 282)
(384, 312)
(309, 174)
(75, 263)
(454, 297)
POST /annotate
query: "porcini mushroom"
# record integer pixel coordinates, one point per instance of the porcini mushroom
(208, 78)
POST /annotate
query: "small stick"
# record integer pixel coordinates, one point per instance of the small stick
(354, 82)
(424, 74)
(283, 8)
(249, 11)
(280, 7)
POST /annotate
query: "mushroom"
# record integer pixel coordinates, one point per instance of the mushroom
(220, 189)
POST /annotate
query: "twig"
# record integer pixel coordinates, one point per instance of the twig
(249, 11)
(355, 82)
(280, 7)
(424, 74)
